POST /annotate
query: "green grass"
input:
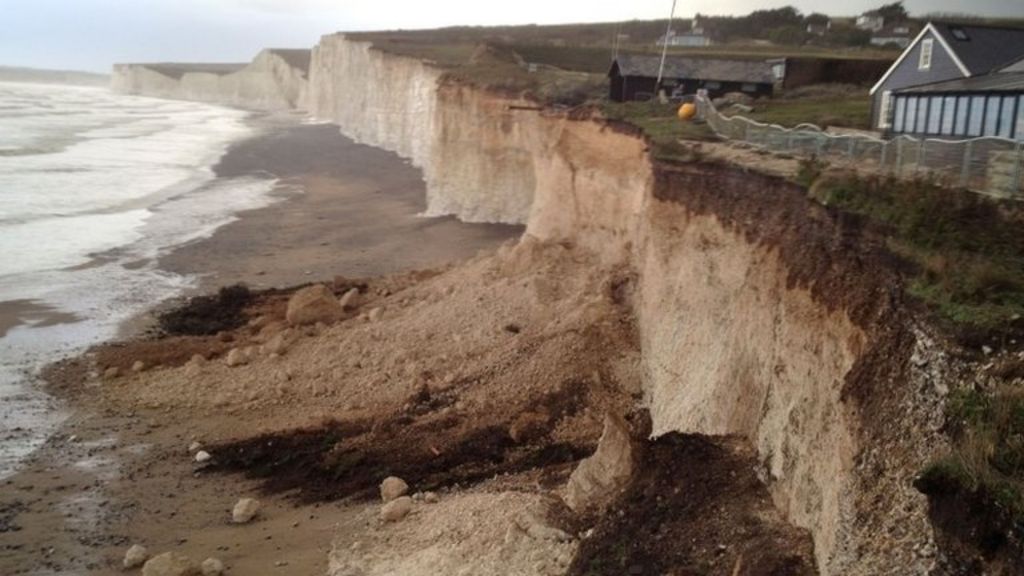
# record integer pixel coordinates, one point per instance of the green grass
(660, 123)
(987, 457)
(965, 250)
(849, 111)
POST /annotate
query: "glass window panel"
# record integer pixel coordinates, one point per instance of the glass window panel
(977, 115)
(922, 115)
(991, 115)
(911, 114)
(1006, 117)
(962, 103)
(901, 109)
(935, 114)
(948, 114)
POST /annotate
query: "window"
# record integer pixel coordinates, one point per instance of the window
(977, 115)
(925, 61)
(922, 115)
(935, 116)
(948, 114)
(749, 88)
(991, 115)
(960, 127)
(911, 118)
(885, 109)
(712, 85)
(960, 34)
(901, 113)
(1006, 117)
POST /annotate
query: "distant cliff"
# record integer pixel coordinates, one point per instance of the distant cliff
(275, 80)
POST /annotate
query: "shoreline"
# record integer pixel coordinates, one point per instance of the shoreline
(108, 478)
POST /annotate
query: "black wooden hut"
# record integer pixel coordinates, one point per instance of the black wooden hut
(634, 77)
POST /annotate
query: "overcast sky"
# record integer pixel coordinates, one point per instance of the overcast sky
(93, 34)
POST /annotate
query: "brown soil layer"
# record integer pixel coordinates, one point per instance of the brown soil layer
(695, 508)
(431, 452)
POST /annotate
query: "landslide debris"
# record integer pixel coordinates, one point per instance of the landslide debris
(695, 506)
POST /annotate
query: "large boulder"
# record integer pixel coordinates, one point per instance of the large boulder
(602, 476)
(312, 305)
(170, 564)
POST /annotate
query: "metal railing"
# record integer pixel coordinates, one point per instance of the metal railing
(993, 166)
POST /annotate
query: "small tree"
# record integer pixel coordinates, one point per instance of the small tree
(894, 12)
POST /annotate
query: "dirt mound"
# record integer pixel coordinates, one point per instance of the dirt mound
(696, 507)
(207, 315)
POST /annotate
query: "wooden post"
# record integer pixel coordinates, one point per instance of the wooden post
(965, 169)
(1015, 186)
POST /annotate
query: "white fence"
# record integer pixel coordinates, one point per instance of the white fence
(993, 166)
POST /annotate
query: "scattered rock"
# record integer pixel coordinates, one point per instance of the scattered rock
(135, 556)
(396, 509)
(245, 510)
(138, 366)
(195, 447)
(392, 488)
(350, 300)
(376, 315)
(112, 372)
(431, 497)
(202, 456)
(313, 304)
(212, 567)
(529, 426)
(276, 345)
(170, 564)
(236, 357)
(197, 359)
(599, 478)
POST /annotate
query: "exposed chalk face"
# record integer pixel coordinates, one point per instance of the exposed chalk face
(269, 82)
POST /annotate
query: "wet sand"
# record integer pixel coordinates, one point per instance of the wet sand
(109, 479)
(357, 215)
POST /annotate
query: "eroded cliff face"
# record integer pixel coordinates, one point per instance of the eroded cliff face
(269, 82)
(758, 314)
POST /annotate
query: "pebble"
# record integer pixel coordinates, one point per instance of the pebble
(203, 456)
(245, 510)
(135, 556)
(212, 567)
(396, 509)
(392, 488)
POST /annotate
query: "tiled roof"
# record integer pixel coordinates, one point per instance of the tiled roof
(983, 49)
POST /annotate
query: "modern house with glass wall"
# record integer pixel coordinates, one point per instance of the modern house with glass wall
(953, 76)
(989, 105)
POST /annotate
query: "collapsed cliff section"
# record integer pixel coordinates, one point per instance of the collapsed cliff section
(761, 314)
(275, 80)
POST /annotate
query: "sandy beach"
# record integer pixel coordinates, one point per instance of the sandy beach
(114, 475)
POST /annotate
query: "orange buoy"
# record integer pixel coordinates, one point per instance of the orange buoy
(687, 111)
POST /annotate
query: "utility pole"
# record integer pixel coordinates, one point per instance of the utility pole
(664, 48)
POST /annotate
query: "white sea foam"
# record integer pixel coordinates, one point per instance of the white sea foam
(94, 187)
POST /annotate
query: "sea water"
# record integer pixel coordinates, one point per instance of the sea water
(94, 188)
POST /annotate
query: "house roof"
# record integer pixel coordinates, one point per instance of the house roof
(719, 69)
(974, 49)
(995, 82)
(982, 49)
